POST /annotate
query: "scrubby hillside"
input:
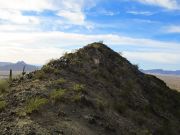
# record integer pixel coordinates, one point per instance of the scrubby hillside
(93, 91)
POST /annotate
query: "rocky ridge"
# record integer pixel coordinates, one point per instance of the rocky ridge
(93, 91)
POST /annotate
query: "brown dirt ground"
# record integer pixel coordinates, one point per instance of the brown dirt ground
(171, 80)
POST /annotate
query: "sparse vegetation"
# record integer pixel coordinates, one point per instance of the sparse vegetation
(4, 85)
(136, 66)
(48, 69)
(77, 98)
(58, 95)
(34, 104)
(110, 96)
(61, 81)
(40, 75)
(78, 87)
(2, 105)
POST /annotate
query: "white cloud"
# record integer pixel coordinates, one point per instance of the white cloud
(72, 10)
(26, 5)
(106, 12)
(173, 29)
(17, 27)
(155, 57)
(38, 47)
(15, 16)
(73, 17)
(31, 55)
(169, 4)
(146, 13)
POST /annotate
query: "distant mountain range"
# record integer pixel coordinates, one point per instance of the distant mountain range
(6, 66)
(161, 71)
(5, 63)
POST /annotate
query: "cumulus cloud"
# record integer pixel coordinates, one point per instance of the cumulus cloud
(23, 38)
(31, 55)
(15, 16)
(39, 47)
(26, 5)
(76, 17)
(71, 10)
(169, 4)
(173, 29)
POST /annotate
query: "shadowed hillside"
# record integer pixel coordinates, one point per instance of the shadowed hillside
(92, 91)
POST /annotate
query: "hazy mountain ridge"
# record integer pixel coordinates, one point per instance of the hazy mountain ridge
(90, 92)
(5, 63)
(6, 66)
(161, 71)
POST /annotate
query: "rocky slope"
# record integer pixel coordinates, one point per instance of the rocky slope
(93, 91)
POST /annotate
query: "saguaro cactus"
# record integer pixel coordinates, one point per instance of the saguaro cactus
(10, 75)
(23, 73)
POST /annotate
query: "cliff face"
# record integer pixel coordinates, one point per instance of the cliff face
(90, 92)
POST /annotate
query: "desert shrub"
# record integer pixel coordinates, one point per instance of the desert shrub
(49, 69)
(79, 87)
(58, 95)
(67, 55)
(4, 85)
(40, 75)
(57, 71)
(61, 81)
(97, 45)
(82, 99)
(136, 66)
(2, 105)
(77, 98)
(34, 104)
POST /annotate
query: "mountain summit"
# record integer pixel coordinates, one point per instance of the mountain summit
(91, 91)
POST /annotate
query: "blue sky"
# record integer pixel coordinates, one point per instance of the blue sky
(146, 32)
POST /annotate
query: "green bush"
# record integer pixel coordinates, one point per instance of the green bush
(61, 81)
(40, 75)
(79, 87)
(48, 69)
(2, 105)
(77, 98)
(34, 104)
(58, 95)
(4, 85)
